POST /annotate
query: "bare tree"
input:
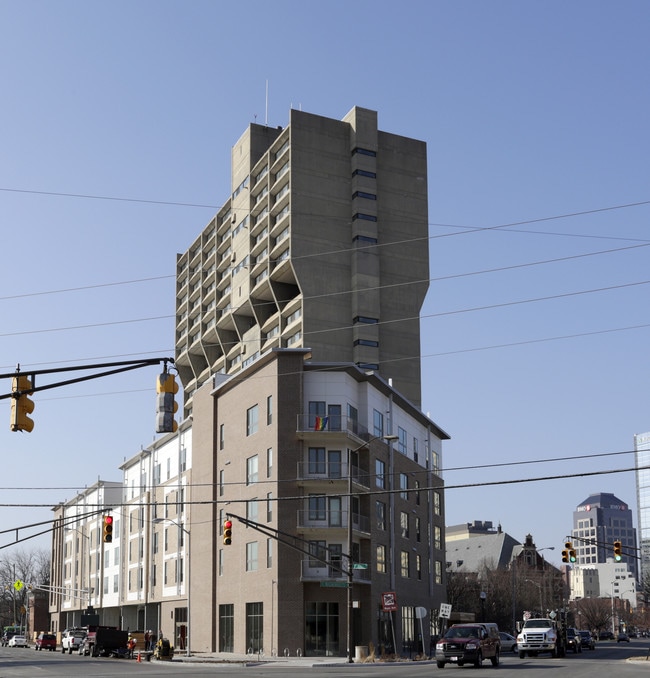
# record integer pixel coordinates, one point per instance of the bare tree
(20, 570)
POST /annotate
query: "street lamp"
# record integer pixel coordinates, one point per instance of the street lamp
(388, 439)
(189, 573)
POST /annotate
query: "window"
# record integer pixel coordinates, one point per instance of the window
(436, 502)
(221, 482)
(380, 473)
(269, 553)
(269, 507)
(363, 217)
(415, 449)
(416, 484)
(437, 537)
(366, 196)
(381, 515)
(403, 486)
(417, 529)
(269, 461)
(381, 558)
(418, 566)
(404, 524)
(437, 576)
(364, 240)
(404, 564)
(377, 423)
(334, 417)
(366, 342)
(316, 461)
(252, 464)
(269, 410)
(317, 507)
(317, 553)
(364, 173)
(401, 442)
(364, 320)
(252, 510)
(364, 151)
(221, 436)
(252, 415)
(251, 556)
(316, 409)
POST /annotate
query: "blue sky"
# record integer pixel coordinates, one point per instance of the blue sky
(535, 116)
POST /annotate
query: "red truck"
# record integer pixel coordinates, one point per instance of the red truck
(45, 641)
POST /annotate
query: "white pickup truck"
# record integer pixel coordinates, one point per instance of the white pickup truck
(540, 635)
(71, 639)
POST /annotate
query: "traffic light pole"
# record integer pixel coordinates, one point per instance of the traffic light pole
(122, 366)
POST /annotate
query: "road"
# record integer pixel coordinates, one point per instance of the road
(607, 660)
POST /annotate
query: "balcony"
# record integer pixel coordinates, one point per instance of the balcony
(327, 520)
(313, 570)
(337, 425)
(332, 471)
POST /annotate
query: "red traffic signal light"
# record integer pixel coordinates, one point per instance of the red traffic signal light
(227, 532)
(107, 532)
(618, 551)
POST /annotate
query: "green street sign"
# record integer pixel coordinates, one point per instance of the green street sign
(360, 566)
(334, 584)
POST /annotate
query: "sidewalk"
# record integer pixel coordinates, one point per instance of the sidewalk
(255, 660)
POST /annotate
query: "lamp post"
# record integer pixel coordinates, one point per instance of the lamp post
(189, 573)
(388, 439)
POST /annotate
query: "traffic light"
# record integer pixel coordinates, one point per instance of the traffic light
(227, 532)
(618, 553)
(572, 555)
(21, 405)
(107, 532)
(166, 407)
(569, 553)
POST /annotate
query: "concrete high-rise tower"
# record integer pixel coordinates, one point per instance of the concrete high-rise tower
(322, 244)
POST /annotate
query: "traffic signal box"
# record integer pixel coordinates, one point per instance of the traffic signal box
(21, 405)
(569, 553)
(166, 405)
(618, 551)
(227, 532)
(107, 531)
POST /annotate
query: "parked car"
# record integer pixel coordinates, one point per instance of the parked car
(45, 641)
(623, 638)
(17, 641)
(573, 641)
(508, 642)
(605, 635)
(469, 644)
(586, 640)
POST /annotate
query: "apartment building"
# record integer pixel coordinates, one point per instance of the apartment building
(322, 243)
(138, 581)
(330, 478)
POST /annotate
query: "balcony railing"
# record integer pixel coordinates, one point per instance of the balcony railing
(310, 470)
(332, 519)
(313, 570)
(331, 424)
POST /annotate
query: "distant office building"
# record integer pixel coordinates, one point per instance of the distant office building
(598, 522)
(642, 449)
